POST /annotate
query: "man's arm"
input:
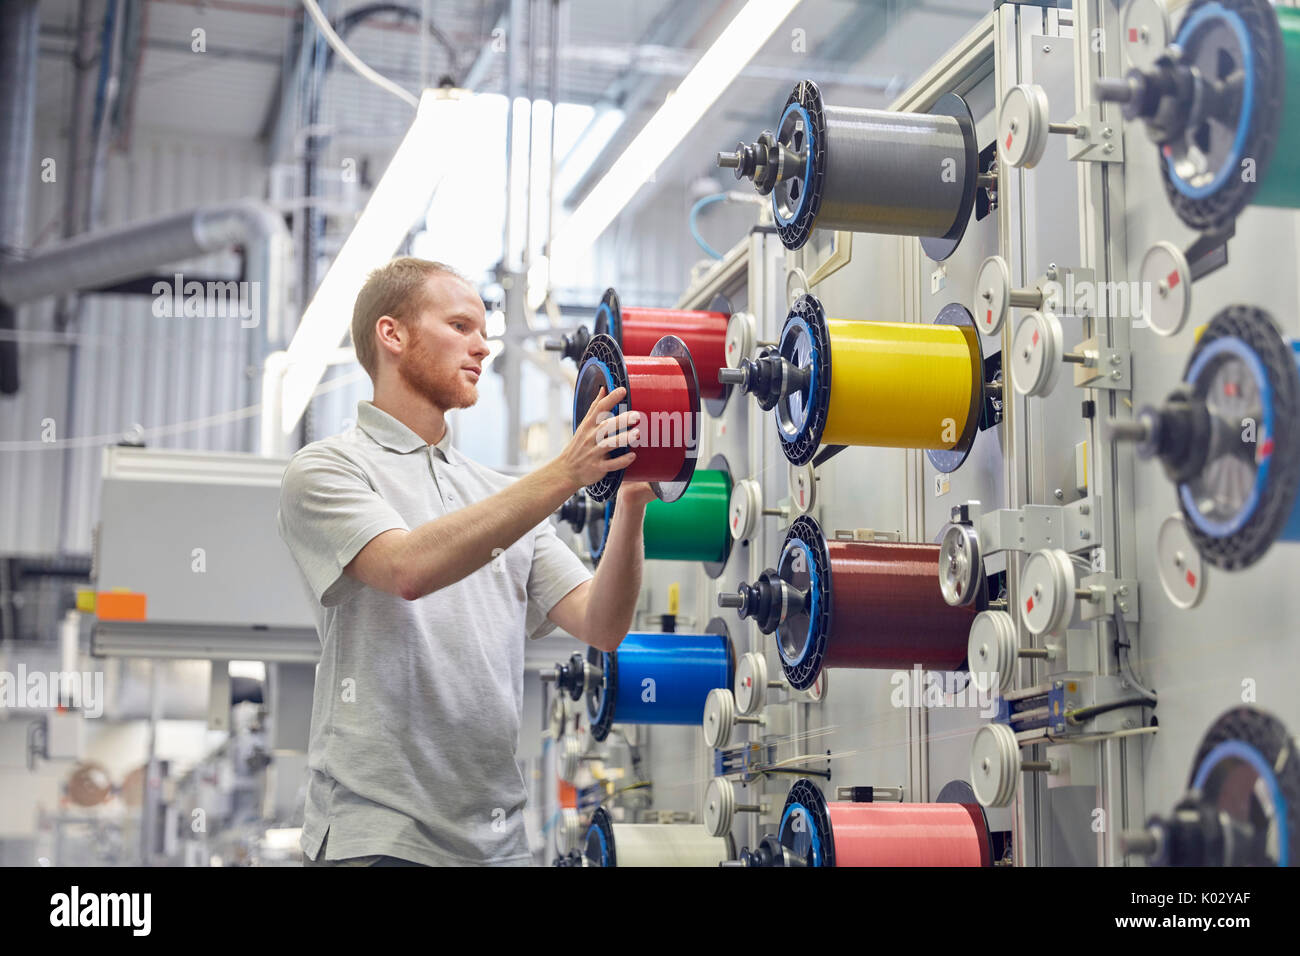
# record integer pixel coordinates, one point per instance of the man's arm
(599, 612)
(411, 564)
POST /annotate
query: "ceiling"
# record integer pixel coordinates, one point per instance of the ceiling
(627, 54)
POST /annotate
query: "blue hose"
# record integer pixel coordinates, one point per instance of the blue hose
(695, 230)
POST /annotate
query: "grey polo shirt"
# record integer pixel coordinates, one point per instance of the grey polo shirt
(418, 704)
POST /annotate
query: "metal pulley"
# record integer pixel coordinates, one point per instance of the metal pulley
(996, 764)
(752, 683)
(995, 297)
(721, 806)
(720, 718)
(569, 757)
(961, 564)
(994, 651)
(1165, 271)
(1181, 569)
(1047, 591)
(746, 507)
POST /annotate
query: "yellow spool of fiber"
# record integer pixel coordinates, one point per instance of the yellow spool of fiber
(836, 382)
(898, 386)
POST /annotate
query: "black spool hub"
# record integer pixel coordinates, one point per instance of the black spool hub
(670, 346)
(940, 248)
(800, 445)
(1217, 210)
(1255, 328)
(763, 377)
(590, 382)
(601, 826)
(762, 601)
(603, 700)
(714, 569)
(793, 632)
(575, 343)
(1195, 834)
(769, 853)
(570, 677)
(574, 512)
(798, 840)
(795, 233)
(949, 460)
(1180, 434)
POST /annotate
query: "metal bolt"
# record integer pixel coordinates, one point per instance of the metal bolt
(1108, 148)
(1059, 495)
(1123, 607)
(1115, 376)
(1115, 359)
(1107, 132)
(1047, 49)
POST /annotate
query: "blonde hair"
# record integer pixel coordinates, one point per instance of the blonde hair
(397, 289)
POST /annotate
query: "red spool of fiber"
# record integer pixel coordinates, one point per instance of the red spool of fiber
(637, 331)
(862, 604)
(815, 832)
(661, 386)
(908, 834)
(890, 609)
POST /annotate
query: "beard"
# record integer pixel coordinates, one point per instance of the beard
(419, 370)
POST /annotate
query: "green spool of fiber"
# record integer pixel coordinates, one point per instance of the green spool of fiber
(1222, 105)
(692, 528)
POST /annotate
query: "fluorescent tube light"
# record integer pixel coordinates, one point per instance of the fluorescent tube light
(698, 91)
(399, 200)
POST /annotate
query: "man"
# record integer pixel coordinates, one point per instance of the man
(427, 570)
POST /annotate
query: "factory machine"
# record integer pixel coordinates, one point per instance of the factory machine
(1001, 426)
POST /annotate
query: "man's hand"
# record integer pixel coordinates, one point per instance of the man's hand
(636, 493)
(585, 460)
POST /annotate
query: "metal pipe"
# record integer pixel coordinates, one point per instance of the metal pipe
(109, 255)
(19, 23)
(110, 70)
